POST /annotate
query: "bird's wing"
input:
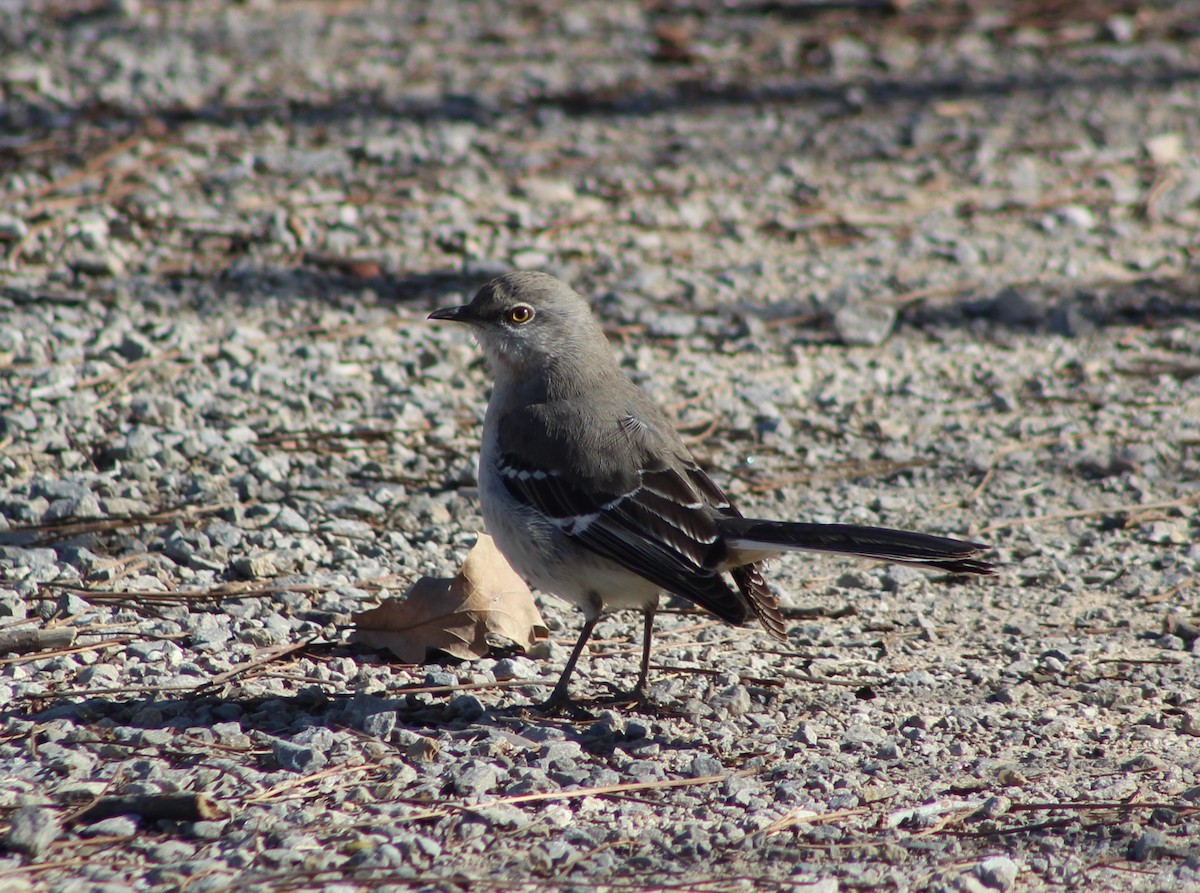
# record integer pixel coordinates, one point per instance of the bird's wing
(626, 490)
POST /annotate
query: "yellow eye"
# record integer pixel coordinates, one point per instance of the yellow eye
(520, 314)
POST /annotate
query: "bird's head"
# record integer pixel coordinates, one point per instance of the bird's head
(527, 322)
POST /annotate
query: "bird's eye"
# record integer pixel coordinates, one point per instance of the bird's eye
(520, 314)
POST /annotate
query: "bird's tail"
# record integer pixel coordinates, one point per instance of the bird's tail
(754, 539)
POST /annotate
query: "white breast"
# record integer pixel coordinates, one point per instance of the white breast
(547, 557)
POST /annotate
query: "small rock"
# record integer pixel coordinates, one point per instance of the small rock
(1144, 762)
(529, 259)
(255, 567)
(1164, 149)
(12, 228)
(516, 668)
(1077, 217)
(1121, 28)
(998, 872)
(1167, 533)
(476, 778)
(423, 750)
(379, 725)
(1151, 843)
(138, 443)
(98, 676)
(995, 806)
(734, 700)
(115, 826)
(848, 55)
(32, 829)
(299, 758)
(135, 346)
(671, 325)
(864, 323)
(644, 770)
(467, 707)
(85, 506)
(705, 765)
(544, 190)
(290, 521)
(97, 263)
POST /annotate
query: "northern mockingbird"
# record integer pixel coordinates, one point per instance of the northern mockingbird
(592, 496)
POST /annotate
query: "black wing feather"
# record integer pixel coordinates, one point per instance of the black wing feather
(662, 528)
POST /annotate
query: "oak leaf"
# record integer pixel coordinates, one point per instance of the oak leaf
(462, 616)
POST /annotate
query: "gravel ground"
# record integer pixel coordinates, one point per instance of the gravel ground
(934, 268)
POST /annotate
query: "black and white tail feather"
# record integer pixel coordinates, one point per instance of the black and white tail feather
(881, 543)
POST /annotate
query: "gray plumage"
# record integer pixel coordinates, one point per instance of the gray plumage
(592, 496)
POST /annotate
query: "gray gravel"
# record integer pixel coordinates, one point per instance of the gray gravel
(935, 268)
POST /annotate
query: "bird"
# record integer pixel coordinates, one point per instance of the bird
(591, 495)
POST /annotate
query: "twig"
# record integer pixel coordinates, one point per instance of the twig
(470, 686)
(182, 807)
(704, 433)
(1084, 805)
(709, 671)
(117, 778)
(23, 641)
(856, 470)
(1141, 661)
(1163, 181)
(1156, 366)
(1047, 825)
(1113, 866)
(262, 659)
(248, 589)
(821, 680)
(38, 867)
(933, 291)
(286, 786)
(576, 793)
(1089, 513)
(993, 464)
(792, 820)
(94, 164)
(931, 810)
(100, 692)
(1161, 597)
(128, 369)
(65, 529)
(63, 652)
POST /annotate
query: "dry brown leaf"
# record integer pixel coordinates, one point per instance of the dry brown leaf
(456, 615)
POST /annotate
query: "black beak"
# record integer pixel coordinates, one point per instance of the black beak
(453, 314)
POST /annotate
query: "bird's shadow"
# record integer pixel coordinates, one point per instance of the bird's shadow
(595, 726)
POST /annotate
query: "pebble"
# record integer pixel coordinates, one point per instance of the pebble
(998, 872)
(299, 757)
(116, 826)
(32, 829)
(291, 521)
(516, 668)
(475, 779)
(223, 410)
(862, 323)
(734, 700)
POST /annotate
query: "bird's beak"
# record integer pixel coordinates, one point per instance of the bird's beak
(453, 314)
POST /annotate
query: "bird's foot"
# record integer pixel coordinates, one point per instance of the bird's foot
(637, 699)
(560, 704)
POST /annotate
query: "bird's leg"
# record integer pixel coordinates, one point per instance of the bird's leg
(639, 690)
(637, 696)
(560, 698)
